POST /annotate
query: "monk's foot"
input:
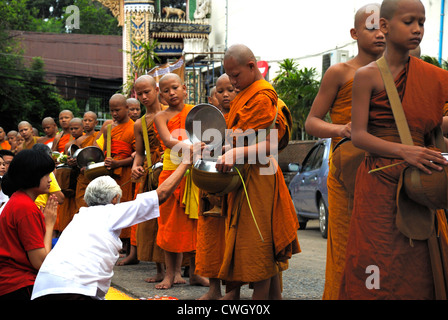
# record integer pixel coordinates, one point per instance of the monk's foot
(197, 280)
(166, 283)
(178, 279)
(211, 296)
(157, 278)
(232, 295)
(129, 260)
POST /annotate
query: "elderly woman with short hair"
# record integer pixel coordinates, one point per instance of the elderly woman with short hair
(80, 266)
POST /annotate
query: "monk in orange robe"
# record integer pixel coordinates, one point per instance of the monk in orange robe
(50, 129)
(143, 235)
(381, 262)
(177, 232)
(26, 131)
(122, 147)
(211, 221)
(4, 143)
(89, 121)
(63, 137)
(258, 246)
(335, 97)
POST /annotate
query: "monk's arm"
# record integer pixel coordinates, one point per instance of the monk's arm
(137, 166)
(363, 86)
(165, 135)
(315, 124)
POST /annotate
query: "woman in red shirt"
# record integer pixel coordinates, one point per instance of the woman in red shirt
(25, 232)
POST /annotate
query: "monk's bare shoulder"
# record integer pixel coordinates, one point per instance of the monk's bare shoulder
(340, 73)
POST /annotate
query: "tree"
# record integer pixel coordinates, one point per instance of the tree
(297, 88)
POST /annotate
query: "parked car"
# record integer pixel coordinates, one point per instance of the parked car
(308, 188)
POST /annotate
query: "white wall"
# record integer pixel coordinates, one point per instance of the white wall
(303, 29)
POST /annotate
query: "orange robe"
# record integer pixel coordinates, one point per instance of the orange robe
(340, 202)
(146, 232)
(5, 145)
(248, 258)
(82, 181)
(211, 236)
(403, 268)
(65, 138)
(177, 232)
(122, 147)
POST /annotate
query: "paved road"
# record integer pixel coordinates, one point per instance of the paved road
(304, 280)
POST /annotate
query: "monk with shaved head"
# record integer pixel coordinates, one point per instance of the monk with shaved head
(335, 97)
(26, 131)
(257, 246)
(383, 261)
(120, 130)
(143, 235)
(177, 234)
(50, 128)
(64, 136)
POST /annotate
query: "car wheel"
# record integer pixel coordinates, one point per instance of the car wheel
(323, 218)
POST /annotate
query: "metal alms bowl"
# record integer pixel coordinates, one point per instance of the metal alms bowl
(206, 177)
(200, 119)
(95, 170)
(88, 155)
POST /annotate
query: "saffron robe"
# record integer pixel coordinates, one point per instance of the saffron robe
(82, 181)
(177, 231)
(340, 202)
(375, 245)
(63, 140)
(211, 236)
(5, 145)
(248, 257)
(122, 147)
(146, 232)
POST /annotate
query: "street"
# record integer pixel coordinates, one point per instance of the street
(304, 280)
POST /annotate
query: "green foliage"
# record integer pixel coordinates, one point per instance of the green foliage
(435, 62)
(297, 88)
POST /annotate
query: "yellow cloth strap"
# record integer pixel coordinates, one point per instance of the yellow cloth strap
(109, 140)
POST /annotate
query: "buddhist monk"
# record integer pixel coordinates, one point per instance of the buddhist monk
(335, 97)
(26, 131)
(63, 137)
(211, 220)
(177, 232)
(12, 135)
(258, 246)
(143, 239)
(122, 147)
(4, 143)
(50, 129)
(68, 208)
(89, 122)
(135, 110)
(381, 262)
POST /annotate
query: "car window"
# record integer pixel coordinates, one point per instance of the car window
(308, 164)
(318, 158)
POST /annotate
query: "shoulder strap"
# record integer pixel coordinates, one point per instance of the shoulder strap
(146, 140)
(395, 103)
(109, 140)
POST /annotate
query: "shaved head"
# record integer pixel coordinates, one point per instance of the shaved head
(91, 113)
(76, 121)
(388, 7)
(117, 99)
(145, 79)
(170, 76)
(48, 120)
(241, 53)
(223, 77)
(364, 13)
(66, 111)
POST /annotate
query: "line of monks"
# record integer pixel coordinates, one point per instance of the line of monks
(214, 235)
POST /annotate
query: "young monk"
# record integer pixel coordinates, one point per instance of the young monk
(135, 110)
(211, 220)
(4, 143)
(335, 97)
(257, 249)
(63, 137)
(143, 237)
(376, 248)
(50, 129)
(177, 224)
(26, 131)
(19, 143)
(89, 122)
(68, 208)
(12, 136)
(122, 147)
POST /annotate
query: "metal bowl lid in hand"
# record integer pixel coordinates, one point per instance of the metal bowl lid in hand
(88, 155)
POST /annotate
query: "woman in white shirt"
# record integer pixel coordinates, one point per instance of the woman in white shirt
(80, 266)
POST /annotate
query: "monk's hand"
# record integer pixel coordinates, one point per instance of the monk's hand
(424, 158)
(109, 163)
(346, 130)
(51, 210)
(137, 172)
(226, 162)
